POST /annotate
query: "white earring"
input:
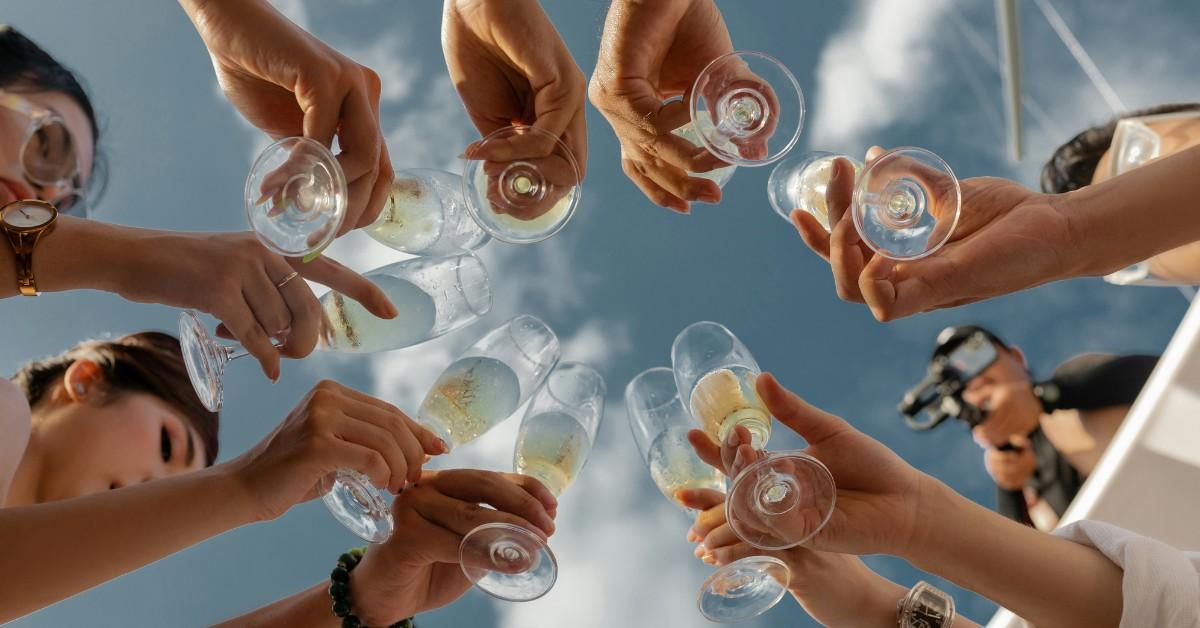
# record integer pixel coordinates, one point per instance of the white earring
(80, 389)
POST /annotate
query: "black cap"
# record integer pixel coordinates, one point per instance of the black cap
(951, 337)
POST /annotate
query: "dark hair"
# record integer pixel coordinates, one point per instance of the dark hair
(148, 362)
(25, 66)
(1074, 164)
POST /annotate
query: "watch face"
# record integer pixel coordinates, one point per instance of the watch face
(27, 214)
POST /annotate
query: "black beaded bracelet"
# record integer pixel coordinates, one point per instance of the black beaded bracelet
(339, 590)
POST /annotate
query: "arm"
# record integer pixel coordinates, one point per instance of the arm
(1179, 265)
(15, 425)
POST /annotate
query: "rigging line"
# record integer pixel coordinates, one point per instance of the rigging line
(1081, 56)
(984, 51)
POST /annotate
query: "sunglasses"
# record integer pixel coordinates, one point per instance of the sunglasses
(1134, 143)
(49, 156)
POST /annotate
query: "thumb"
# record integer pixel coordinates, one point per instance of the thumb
(813, 424)
(321, 110)
(700, 498)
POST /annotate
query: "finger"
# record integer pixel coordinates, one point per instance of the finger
(708, 521)
(895, 290)
(353, 429)
(576, 139)
(706, 448)
(653, 191)
(499, 492)
(364, 459)
(732, 553)
(875, 152)
(813, 424)
(264, 299)
(321, 106)
(700, 498)
(676, 181)
(304, 311)
(436, 542)
(536, 489)
(846, 261)
(396, 424)
(254, 339)
(430, 443)
(734, 440)
(329, 272)
(461, 516)
(359, 136)
(379, 194)
(814, 235)
(839, 193)
(721, 536)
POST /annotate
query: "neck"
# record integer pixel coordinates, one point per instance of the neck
(25, 488)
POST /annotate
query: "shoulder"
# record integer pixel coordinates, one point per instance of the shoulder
(15, 424)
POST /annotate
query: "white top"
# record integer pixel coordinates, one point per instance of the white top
(1161, 585)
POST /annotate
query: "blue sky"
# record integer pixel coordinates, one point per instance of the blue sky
(621, 280)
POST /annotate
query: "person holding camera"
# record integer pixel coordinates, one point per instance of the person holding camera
(1041, 439)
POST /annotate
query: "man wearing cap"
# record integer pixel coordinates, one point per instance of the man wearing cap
(1055, 430)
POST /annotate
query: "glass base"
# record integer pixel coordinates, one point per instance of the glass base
(204, 359)
(781, 501)
(359, 506)
(743, 589)
(508, 562)
(906, 204)
(295, 197)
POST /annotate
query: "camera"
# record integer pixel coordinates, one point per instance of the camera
(939, 396)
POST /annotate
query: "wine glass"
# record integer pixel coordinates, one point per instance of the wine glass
(425, 214)
(295, 197)
(778, 501)
(747, 109)
(556, 434)
(660, 425)
(906, 202)
(521, 184)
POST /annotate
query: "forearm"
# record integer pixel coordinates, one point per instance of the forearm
(1180, 265)
(310, 607)
(1135, 216)
(1046, 580)
(77, 254)
(65, 547)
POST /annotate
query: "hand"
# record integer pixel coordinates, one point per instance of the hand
(651, 52)
(417, 568)
(332, 428)
(1008, 238)
(1011, 469)
(510, 66)
(1012, 411)
(835, 589)
(288, 83)
(878, 494)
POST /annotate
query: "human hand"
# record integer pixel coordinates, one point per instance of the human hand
(417, 568)
(878, 494)
(334, 427)
(236, 279)
(835, 589)
(649, 53)
(1011, 469)
(510, 66)
(1008, 238)
(1012, 411)
(288, 83)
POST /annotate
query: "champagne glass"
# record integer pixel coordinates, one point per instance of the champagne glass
(425, 214)
(779, 501)
(660, 425)
(490, 380)
(906, 202)
(521, 184)
(747, 109)
(295, 197)
(556, 434)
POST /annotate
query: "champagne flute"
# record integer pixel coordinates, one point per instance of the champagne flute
(295, 197)
(556, 435)
(426, 214)
(906, 202)
(747, 109)
(779, 501)
(660, 425)
(521, 184)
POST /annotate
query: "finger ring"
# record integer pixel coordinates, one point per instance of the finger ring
(285, 280)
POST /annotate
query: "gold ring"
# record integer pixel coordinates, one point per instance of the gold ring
(287, 279)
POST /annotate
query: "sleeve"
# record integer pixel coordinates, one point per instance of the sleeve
(1094, 380)
(1161, 584)
(1011, 504)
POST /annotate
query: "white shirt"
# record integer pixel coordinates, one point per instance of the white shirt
(1161, 585)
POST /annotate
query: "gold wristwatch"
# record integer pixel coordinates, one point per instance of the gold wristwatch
(25, 222)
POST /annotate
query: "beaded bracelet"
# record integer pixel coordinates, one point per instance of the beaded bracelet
(339, 590)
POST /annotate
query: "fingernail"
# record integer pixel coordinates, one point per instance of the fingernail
(692, 537)
(699, 551)
(443, 448)
(709, 558)
(462, 155)
(732, 437)
(709, 197)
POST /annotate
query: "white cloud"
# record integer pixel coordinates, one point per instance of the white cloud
(875, 71)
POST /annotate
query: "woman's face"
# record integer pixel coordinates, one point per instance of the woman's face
(133, 438)
(14, 127)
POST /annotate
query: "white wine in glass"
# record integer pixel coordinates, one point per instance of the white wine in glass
(715, 374)
(513, 563)
(426, 214)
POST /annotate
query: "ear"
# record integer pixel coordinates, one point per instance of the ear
(84, 381)
(1019, 355)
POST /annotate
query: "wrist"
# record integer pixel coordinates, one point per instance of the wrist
(240, 485)
(378, 600)
(936, 509)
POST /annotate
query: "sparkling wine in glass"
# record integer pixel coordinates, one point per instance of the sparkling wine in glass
(511, 562)
(490, 380)
(425, 214)
(295, 197)
(521, 184)
(906, 202)
(747, 109)
(778, 501)
(660, 425)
